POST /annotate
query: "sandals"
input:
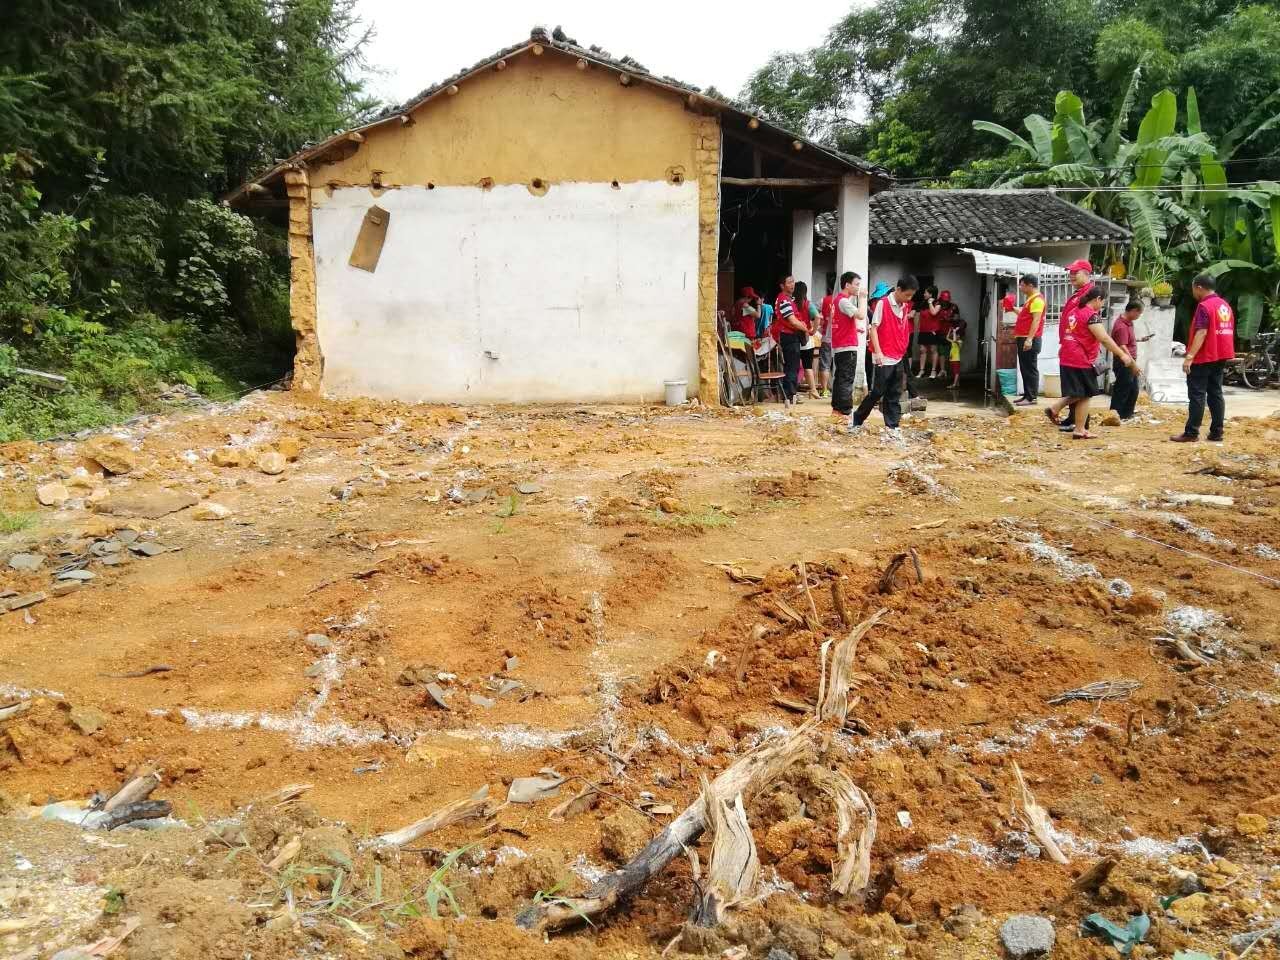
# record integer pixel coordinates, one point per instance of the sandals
(1053, 417)
(1084, 436)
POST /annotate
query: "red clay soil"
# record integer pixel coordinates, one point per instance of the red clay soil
(595, 625)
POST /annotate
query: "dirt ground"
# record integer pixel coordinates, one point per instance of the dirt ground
(402, 605)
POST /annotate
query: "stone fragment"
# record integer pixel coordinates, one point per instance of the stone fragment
(112, 454)
(53, 494)
(210, 510)
(26, 562)
(1026, 936)
(87, 720)
(271, 463)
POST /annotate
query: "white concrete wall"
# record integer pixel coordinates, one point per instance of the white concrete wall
(588, 293)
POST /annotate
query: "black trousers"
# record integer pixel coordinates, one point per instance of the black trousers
(886, 390)
(1124, 393)
(842, 387)
(1204, 384)
(869, 362)
(1029, 364)
(791, 344)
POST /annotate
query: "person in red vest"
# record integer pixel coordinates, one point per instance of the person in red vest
(890, 335)
(1213, 343)
(746, 314)
(931, 314)
(793, 333)
(1028, 330)
(1080, 273)
(847, 313)
(1083, 334)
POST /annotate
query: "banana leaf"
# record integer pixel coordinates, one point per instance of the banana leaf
(1156, 125)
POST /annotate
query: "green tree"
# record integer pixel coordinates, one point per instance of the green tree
(121, 122)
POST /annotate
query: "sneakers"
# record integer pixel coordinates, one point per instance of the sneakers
(854, 428)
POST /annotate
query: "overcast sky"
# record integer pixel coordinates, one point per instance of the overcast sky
(419, 42)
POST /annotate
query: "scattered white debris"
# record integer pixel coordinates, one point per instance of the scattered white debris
(304, 731)
(904, 819)
(1189, 619)
(1069, 569)
(1119, 588)
(959, 846)
(1267, 552)
(517, 736)
(588, 871)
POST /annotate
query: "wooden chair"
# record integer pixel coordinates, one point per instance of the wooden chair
(769, 376)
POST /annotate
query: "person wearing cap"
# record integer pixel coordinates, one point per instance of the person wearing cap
(882, 290)
(1027, 332)
(1083, 337)
(1080, 273)
(1213, 343)
(746, 314)
(848, 314)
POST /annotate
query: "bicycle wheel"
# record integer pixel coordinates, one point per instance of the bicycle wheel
(1256, 371)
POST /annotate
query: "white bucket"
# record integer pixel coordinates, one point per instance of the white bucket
(677, 392)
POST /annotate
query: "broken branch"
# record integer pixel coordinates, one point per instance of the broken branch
(746, 776)
(1037, 819)
(851, 873)
(734, 867)
(468, 808)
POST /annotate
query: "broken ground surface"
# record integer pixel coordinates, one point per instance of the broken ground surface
(594, 625)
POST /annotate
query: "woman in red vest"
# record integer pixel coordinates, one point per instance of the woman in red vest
(1083, 334)
(1213, 343)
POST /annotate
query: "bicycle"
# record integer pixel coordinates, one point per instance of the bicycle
(1261, 362)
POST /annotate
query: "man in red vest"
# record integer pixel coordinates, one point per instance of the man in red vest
(1027, 331)
(1213, 343)
(890, 335)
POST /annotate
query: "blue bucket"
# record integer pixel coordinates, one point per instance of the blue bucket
(1008, 381)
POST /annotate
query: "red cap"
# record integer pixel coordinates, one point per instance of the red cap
(1080, 265)
(1009, 302)
(945, 295)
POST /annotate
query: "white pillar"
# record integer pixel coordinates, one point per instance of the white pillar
(802, 250)
(853, 242)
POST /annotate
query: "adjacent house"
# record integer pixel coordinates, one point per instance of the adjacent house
(975, 243)
(550, 224)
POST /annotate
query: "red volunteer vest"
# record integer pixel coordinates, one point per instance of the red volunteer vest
(1220, 340)
(1022, 327)
(844, 330)
(894, 331)
(1079, 346)
(1068, 307)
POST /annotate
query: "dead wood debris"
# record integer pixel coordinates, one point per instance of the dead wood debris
(745, 777)
(1102, 690)
(852, 871)
(1036, 818)
(468, 808)
(887, 578)
(735, 866)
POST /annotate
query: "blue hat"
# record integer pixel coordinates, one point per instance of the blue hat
(882, 290)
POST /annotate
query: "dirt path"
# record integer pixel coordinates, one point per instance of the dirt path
(586, 620)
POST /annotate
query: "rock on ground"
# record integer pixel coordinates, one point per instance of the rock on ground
(271, 463)
(210, 510)
(52, 494)
(623, 834)
(112, 454)
(1027, 936)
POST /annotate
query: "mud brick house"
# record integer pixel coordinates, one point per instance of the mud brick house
(551, 224)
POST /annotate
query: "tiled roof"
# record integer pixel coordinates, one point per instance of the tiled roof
(989, 218)
(557, 40)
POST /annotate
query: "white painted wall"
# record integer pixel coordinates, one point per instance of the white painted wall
(588, 293)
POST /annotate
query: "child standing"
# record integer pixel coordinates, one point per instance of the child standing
(955, 337)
